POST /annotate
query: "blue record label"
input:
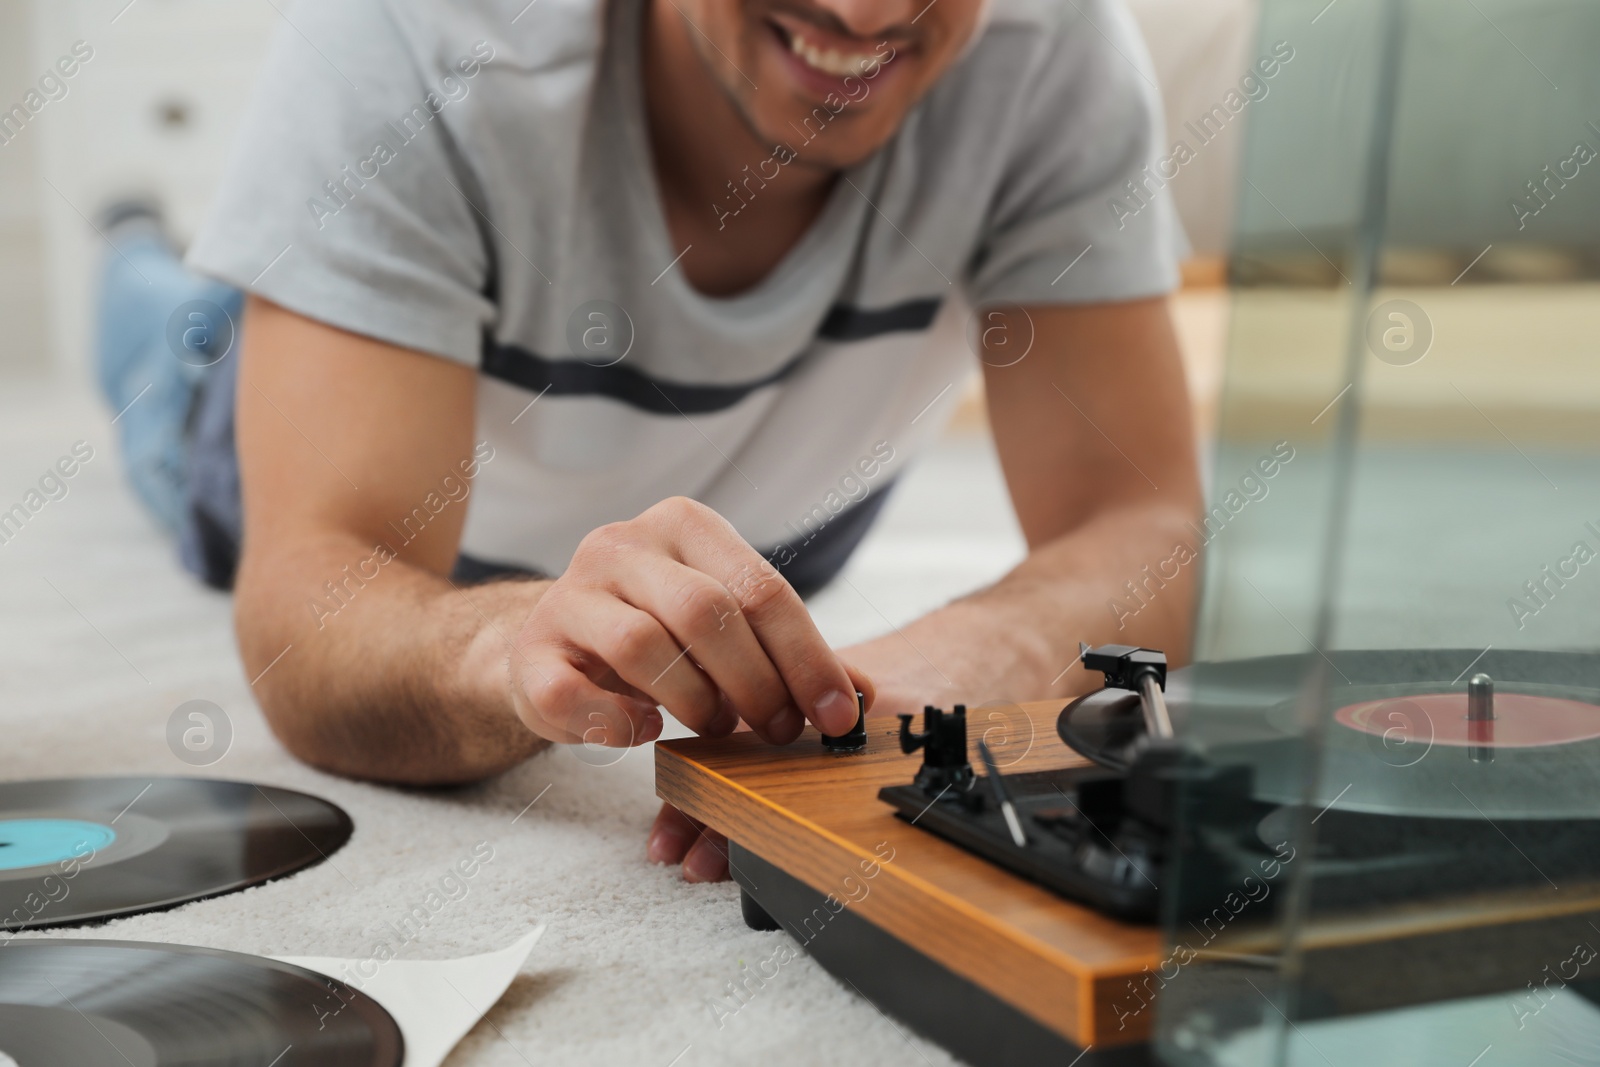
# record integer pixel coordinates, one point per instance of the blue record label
(41, 842)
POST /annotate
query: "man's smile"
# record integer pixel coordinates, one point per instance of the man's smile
(821, 61)
(828, 53)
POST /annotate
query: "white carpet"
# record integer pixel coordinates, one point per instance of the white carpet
(102, 636)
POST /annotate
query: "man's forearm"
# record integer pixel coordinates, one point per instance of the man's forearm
(397, 677)
(1018, 639)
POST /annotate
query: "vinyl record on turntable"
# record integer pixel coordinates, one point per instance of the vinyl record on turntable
(75, 850)
(1425, 773)
(1398, 737)
(122, 1003)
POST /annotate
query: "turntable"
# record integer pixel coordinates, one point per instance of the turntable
(1034, 912)
(1477, 785)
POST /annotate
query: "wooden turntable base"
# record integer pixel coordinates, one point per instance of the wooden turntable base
(1001, 971)
(817, 849)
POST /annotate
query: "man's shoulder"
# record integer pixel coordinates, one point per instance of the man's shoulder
(1049, 55)
(1071, 55)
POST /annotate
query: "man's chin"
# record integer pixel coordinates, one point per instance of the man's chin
(827, 150)
(830, 162)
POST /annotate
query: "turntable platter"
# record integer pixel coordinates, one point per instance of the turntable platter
(1396, 740)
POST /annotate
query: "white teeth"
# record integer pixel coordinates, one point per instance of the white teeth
(830, 62)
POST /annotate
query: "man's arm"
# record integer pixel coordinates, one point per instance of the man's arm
(391, 672)
(1095, 437)
(369, 661)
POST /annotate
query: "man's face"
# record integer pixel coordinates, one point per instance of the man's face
(831, 79)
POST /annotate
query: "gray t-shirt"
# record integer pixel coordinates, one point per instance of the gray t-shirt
(457, 178)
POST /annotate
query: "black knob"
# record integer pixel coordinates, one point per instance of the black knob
(856, 738)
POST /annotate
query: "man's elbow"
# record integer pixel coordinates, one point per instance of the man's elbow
(333, 732)
(299, 718)
(298, 711)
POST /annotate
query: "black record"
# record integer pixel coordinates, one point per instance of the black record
(76, 850)
(142, 1004)
(1247, 712)
(1406, 768)
(1427, 773)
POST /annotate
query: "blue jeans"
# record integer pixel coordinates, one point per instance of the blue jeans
(166, 357)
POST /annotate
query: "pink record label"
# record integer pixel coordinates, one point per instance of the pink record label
(1520, 720)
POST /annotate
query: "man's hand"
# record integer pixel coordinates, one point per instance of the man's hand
(673, 608)
(404, 677)
(676, 838)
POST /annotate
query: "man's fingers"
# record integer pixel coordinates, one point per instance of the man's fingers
(704, 617)
(726, 722)
(707, 860)
(676, 838)
(671, 836)
(681, 609)
(562, 704)
(643, 654)
(863, 682)
(817, 682)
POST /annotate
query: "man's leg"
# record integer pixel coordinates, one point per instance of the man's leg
(208, 543)
(165, 338)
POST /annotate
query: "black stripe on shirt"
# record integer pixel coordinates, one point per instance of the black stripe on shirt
(659, 396)
(573, 377)
(857, 324)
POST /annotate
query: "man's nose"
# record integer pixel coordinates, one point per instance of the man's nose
(874, 19)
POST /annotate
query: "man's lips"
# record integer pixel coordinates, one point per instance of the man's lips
(826, 56)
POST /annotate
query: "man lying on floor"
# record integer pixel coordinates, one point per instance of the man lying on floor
(583, 342)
